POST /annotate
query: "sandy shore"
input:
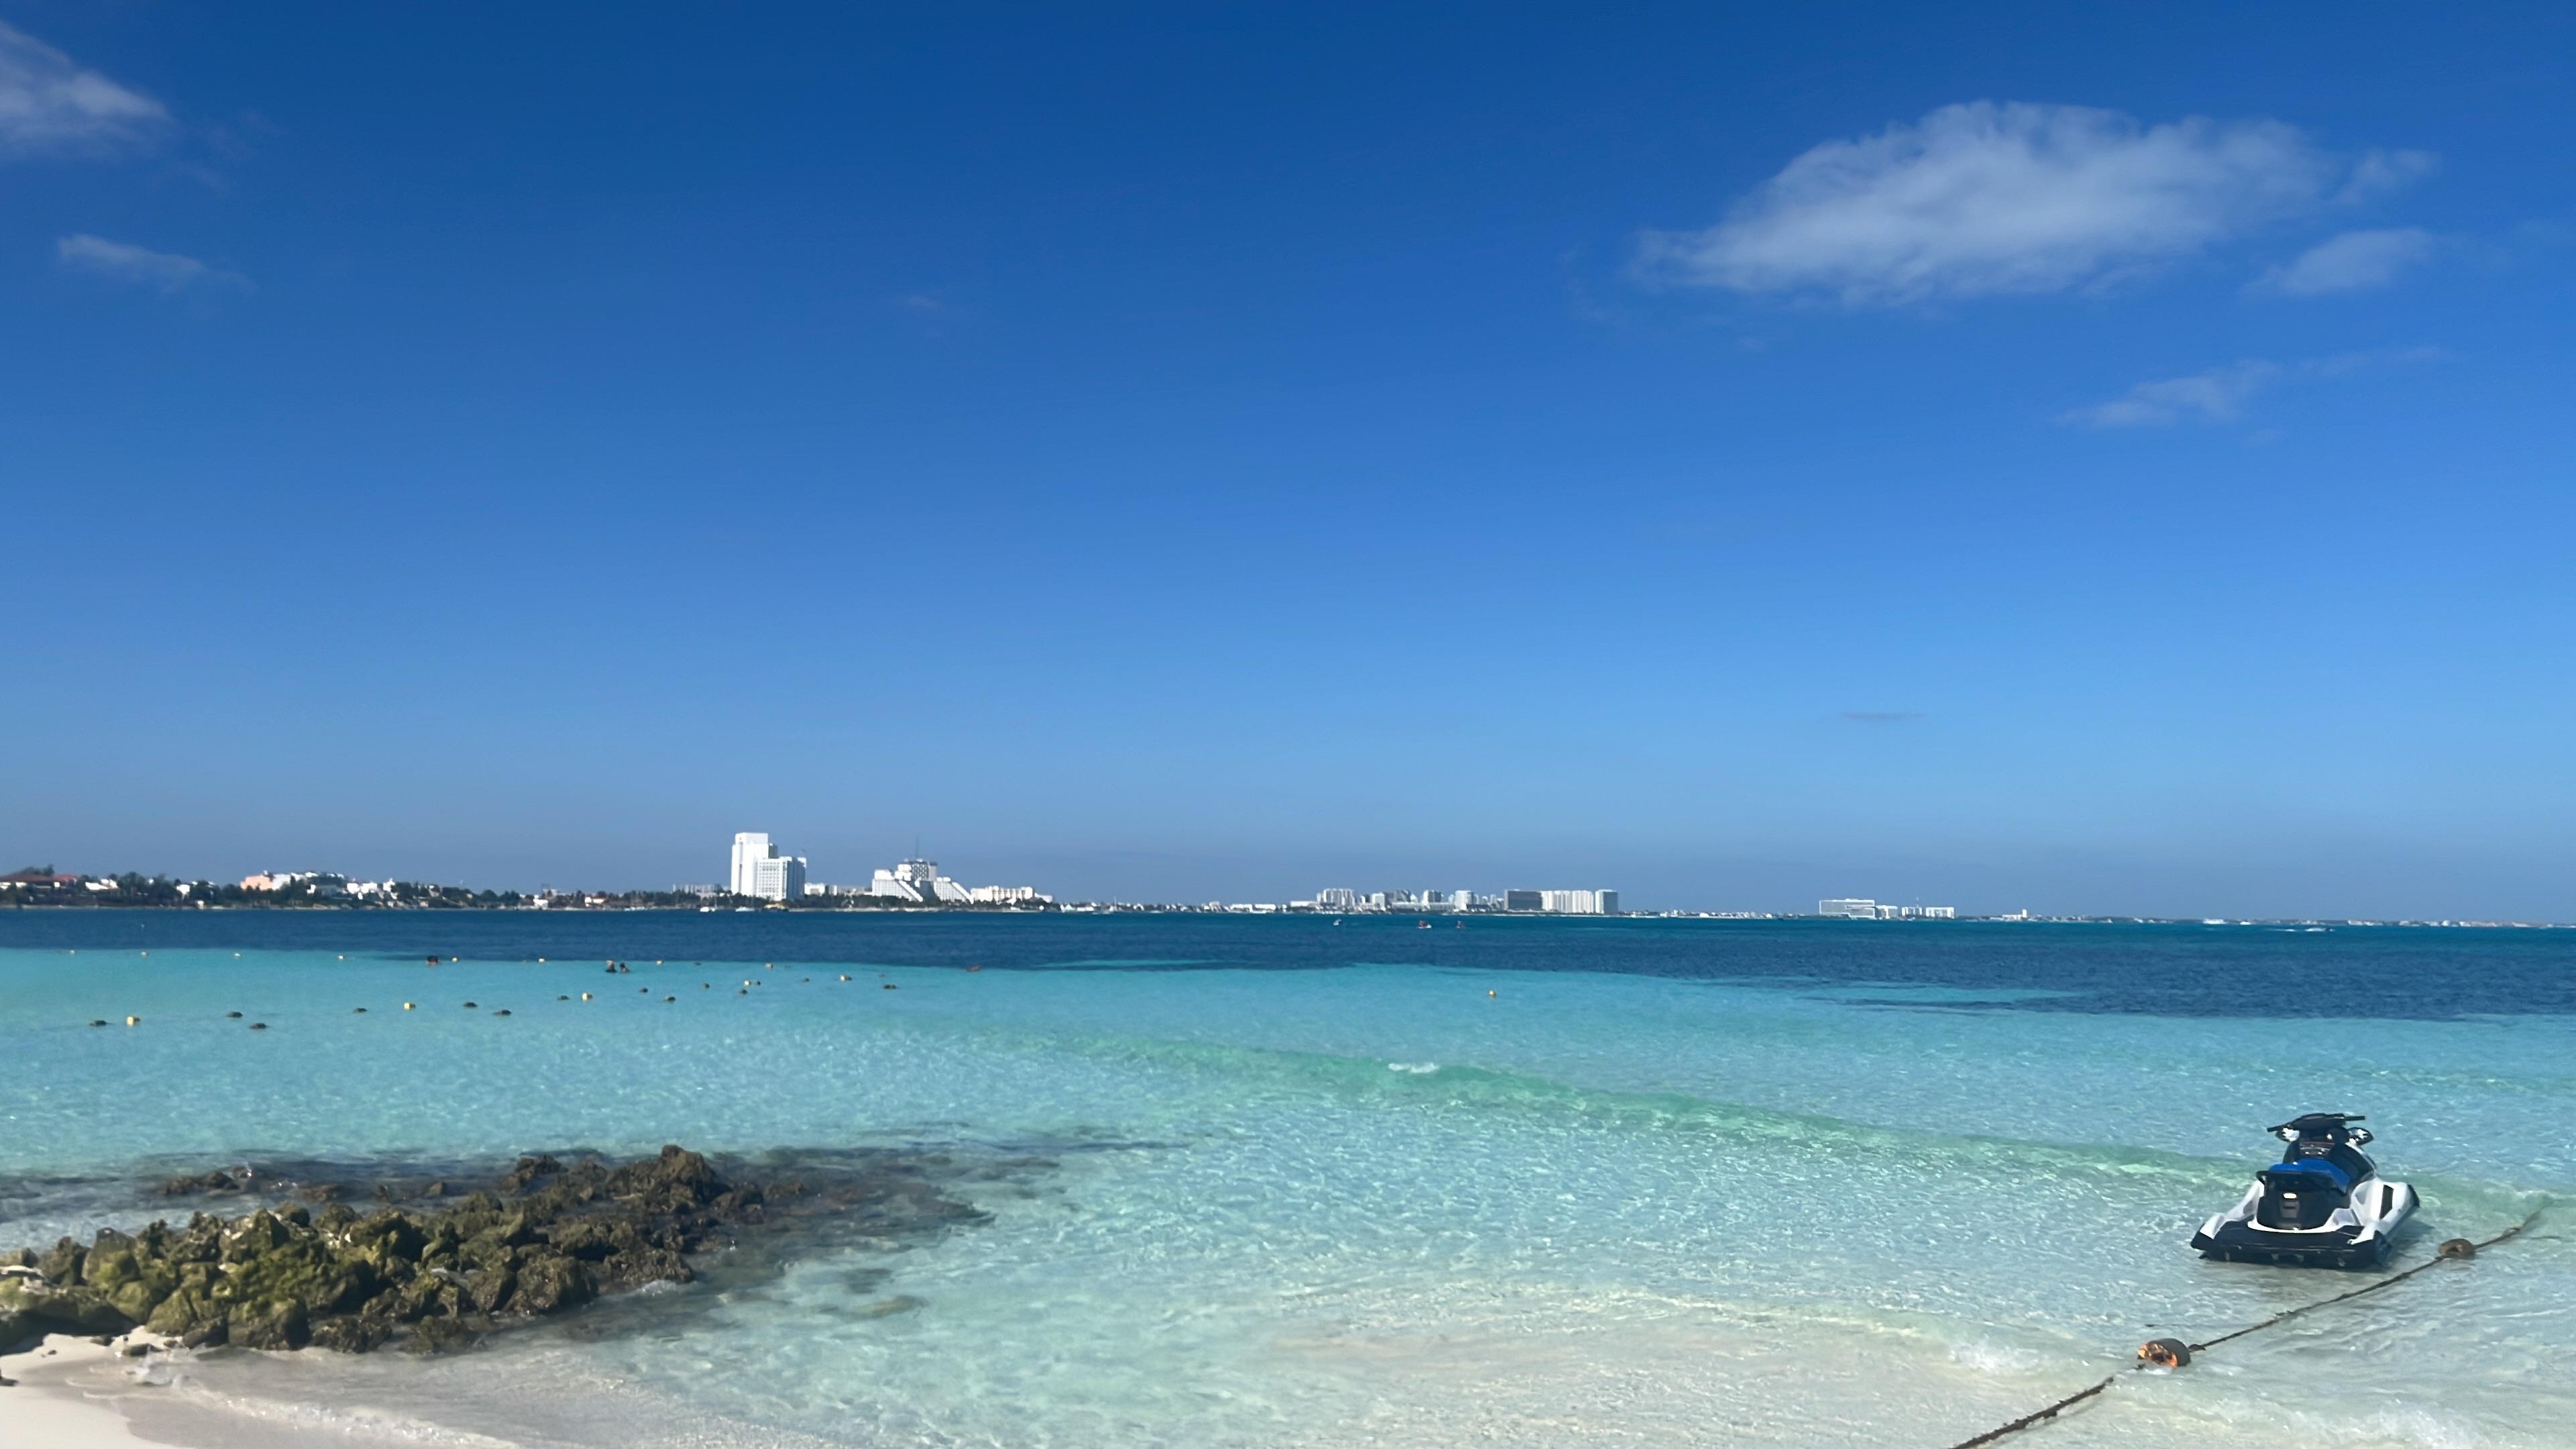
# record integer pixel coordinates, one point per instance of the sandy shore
(75, 1393)
(65, 1395)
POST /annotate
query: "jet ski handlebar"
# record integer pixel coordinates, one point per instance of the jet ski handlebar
(2323, 1124)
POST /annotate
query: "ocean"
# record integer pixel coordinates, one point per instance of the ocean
(1283, 1182)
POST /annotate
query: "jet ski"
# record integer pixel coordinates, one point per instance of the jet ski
(2324, 1205)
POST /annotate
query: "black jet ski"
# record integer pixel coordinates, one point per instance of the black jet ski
(2323, 1206)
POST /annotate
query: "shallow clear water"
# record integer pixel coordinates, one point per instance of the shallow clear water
(1542, 1184)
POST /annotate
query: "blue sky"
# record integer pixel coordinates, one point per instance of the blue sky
(2104, 458)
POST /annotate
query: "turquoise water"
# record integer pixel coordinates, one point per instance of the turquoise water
(1422, 1203)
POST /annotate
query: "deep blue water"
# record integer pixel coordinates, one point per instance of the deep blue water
(2383, 972)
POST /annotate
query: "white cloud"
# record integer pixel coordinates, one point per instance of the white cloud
(166, 272)
(1988, 198)
(49, 105)
(2210, 397)
(2353, 262)
(2378, 173)
(2220, 394)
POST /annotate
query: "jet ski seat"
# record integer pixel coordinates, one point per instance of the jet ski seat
(2336, 1175)
(2302, 1193)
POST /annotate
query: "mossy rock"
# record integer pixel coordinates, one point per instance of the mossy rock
(281, 1325)
(49, 1308)
(183, 1313)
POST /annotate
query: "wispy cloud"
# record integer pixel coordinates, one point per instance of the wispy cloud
(2220, 394)
(51, 106)
(2383, 173)
(2356, 261)
(1991, 198)
(165, 272)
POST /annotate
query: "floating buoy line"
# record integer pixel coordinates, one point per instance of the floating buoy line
(2173, 1353)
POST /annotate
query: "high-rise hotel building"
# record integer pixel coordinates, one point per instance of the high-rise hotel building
(760, 871)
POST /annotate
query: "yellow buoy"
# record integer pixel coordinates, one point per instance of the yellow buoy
(406, 1006)
(1489, 993)
(585, 996)
(134, 1021)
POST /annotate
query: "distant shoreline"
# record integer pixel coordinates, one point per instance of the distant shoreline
(844, 906)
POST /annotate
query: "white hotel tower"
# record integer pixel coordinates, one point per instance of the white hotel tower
(759, 870)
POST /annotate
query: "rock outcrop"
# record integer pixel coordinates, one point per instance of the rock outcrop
(548, 1237)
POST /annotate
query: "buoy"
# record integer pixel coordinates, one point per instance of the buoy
(134, 1021)
(642, 989)
(1489, 993)
(2456, 1248)
(504, 1011)
(259, 1026)
(232, 1016)
(889, 986)
(358, 1011)
(667, 1000)
(742, 991)
(406, 1006)
(2170, 1353)
(102, 1023)
(469, 1006)
(845, 978)
(563, 998)
(585, 996)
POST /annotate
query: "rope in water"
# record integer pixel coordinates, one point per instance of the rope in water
(2448, 1254)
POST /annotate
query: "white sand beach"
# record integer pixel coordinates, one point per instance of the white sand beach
(63, 1396)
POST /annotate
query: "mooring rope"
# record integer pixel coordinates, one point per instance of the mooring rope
(2455, 1250)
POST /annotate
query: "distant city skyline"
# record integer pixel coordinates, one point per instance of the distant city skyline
(2092, 460)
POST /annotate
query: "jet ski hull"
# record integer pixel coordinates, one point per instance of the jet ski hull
(2372, 1218)
(2244, 1243)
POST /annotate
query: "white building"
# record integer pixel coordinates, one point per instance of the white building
(779, 878)
(920, 882)
(1579, 903)
(1005, 896)
(759, 870)
(1337, 899)
(1856, 909)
